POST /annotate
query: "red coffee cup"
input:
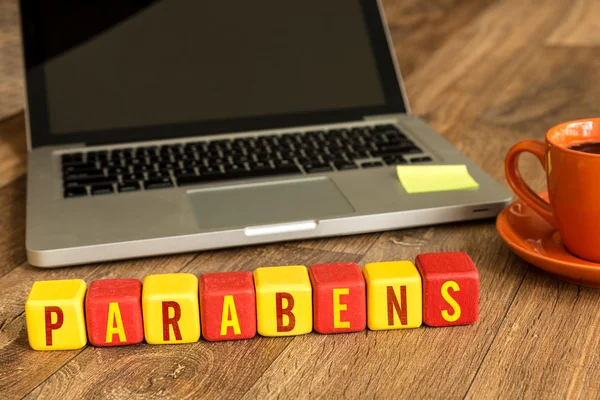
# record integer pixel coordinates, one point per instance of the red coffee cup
(573, 179)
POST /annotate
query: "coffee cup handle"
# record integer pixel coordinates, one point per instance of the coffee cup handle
(515, 180)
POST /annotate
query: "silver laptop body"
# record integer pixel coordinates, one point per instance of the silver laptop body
(72, 96)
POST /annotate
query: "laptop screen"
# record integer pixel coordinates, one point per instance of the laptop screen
(122, 68)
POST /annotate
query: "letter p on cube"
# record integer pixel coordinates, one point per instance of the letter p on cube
(54, 315)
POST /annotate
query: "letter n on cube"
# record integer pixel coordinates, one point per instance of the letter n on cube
(393, 295)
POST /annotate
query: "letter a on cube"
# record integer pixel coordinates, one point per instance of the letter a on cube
(339, 297)
(227, 306)
(450, 288)
(283, 301)
(170, 308)
(54, 315)
(113, 309)
(393, 295)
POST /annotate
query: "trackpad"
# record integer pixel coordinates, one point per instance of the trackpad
(243, 206)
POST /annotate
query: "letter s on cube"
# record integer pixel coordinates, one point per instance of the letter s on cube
(170, 308)
(450, 288)
(54, 315)
(227, 305)
(393, 295)
(283, 301)
(113, 309)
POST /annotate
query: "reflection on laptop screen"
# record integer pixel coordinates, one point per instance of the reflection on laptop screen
(136, 63)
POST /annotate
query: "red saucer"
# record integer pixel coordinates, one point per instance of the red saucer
(539, 243)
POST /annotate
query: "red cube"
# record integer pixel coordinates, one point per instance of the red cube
(339, 297)
(113, 309)
(450, 288)
(227, 306)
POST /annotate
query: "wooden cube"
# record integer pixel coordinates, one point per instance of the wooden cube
(339, 297)
(393, 295)
(227, 306)
(113, 309)
(283, 301)
(170, 308)
(450, 288)
(54, 315)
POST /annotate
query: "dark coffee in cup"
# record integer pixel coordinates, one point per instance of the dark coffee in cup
(588, 147)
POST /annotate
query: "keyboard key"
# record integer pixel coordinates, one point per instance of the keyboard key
(315, 168)
(67, 169)
(420, 160)
(72, 158)
(345, 165)
(101, 189)
(75, 192)
(396, 150)
(372, 164)
(97, 155)
(158, 183)
(209, 171)
(91, 174)
(185, 180)
(117, 170)
(394, 160)
(90, 181)
(129, 186)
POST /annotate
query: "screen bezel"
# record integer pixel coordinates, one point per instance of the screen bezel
(39, 128)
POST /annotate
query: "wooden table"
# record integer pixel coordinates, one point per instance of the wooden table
(485, 74)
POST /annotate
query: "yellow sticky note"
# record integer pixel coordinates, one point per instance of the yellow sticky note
(54, 315)
(394, 295)
(283, 301)
(435, 178)
(171, 309)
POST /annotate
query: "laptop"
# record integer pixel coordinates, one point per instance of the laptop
(159, 127)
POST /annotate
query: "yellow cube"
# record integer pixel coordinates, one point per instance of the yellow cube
(393, 295)
(283, 301)
(54, 315)
(170, 308)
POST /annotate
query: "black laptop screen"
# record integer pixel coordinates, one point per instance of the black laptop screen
(122, 67)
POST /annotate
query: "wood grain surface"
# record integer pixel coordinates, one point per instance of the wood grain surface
(485, 74)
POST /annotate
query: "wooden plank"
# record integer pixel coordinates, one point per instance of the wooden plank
(580, 27)
(22, 369)
(419, 28)
(13, 149)
(182, 370)
(355, 244)
(385, 363)
(12, 91)
(548, 345)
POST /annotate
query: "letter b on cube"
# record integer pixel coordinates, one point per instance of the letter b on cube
(54, 315)
(170, 308)
(283, 301)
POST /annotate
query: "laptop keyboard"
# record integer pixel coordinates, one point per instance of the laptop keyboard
(155, 167)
